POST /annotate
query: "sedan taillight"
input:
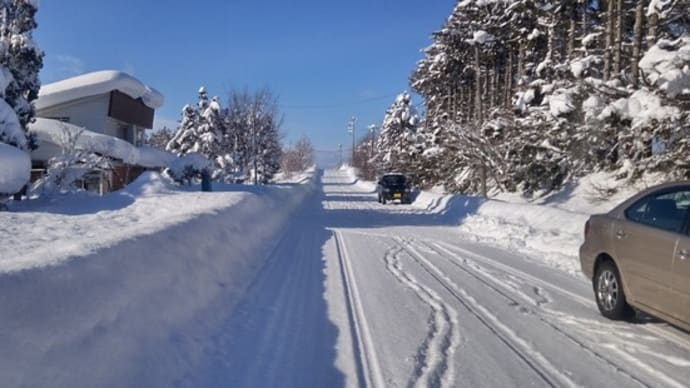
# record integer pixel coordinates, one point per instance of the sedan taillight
(587, 227)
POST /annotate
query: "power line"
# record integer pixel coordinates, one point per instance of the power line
(339, 105)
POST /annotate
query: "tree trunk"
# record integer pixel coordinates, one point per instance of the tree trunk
(653, 30)
(572, 16)
(521, 61)
(637, 43)
(585, 26)
(478, 85)
(508, 84)
(492, 89)
(608, 46)
(617, 66)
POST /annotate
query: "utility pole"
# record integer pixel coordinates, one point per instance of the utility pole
(372, 133)
(352, 128)
(340, 151)
(256, 173)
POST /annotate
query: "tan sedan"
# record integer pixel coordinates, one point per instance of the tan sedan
(638, 255)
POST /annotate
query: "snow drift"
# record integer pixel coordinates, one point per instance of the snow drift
(123, 303)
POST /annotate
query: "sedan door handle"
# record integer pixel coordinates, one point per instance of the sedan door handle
(683, 254)
(620, 234)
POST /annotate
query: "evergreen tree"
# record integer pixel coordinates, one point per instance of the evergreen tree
(20, 63)
(202, 131)
(397, 144)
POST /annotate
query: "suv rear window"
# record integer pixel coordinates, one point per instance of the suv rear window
(393, 180)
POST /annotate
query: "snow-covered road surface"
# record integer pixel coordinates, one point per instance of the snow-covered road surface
(361, 294)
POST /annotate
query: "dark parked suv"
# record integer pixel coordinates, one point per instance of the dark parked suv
(393, 187)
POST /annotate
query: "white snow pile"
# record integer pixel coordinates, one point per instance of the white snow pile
(10, 130)
(546, 234)
(184, 167)
(580, 66)
(642, 107)
(560, 103)
(15, 169)
(54, 131)
(93, 84)
(667, 66)
(96, 290)
(480, 37)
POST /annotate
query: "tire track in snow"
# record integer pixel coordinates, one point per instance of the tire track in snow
(434, 360)
(547, 315)
(668, 333)
(533, 359)
(368, 365)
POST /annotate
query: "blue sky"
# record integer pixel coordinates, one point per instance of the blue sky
(327, 60)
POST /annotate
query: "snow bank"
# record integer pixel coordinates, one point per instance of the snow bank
(93, 84)
(546, 234)
(53, 132)
(115, 296)
(15, 169)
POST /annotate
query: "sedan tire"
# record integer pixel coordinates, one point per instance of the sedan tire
(608, 291)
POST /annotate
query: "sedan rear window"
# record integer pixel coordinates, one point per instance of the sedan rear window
(666, 211)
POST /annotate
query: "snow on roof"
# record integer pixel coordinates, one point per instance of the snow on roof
(15, 169)
(93, 84)
(53, 131)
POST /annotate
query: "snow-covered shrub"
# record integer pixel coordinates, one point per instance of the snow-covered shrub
(188, 168)
(76, 159)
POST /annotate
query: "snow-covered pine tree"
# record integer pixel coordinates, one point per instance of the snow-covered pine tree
(202, 131)
(184, 140)
(20, 63)
(397, 145)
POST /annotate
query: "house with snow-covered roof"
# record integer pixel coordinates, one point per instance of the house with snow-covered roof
(112, 110)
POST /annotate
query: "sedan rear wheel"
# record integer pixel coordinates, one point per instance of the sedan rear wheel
(610, 296)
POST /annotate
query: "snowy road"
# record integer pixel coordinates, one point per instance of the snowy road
(361, 294)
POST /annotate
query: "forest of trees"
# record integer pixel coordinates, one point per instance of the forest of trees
(241, 140)
(526, 95)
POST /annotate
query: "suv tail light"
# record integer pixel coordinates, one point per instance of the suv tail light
(587, 228)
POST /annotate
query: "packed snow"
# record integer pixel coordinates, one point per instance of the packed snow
(15, 169)
(93, 84)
